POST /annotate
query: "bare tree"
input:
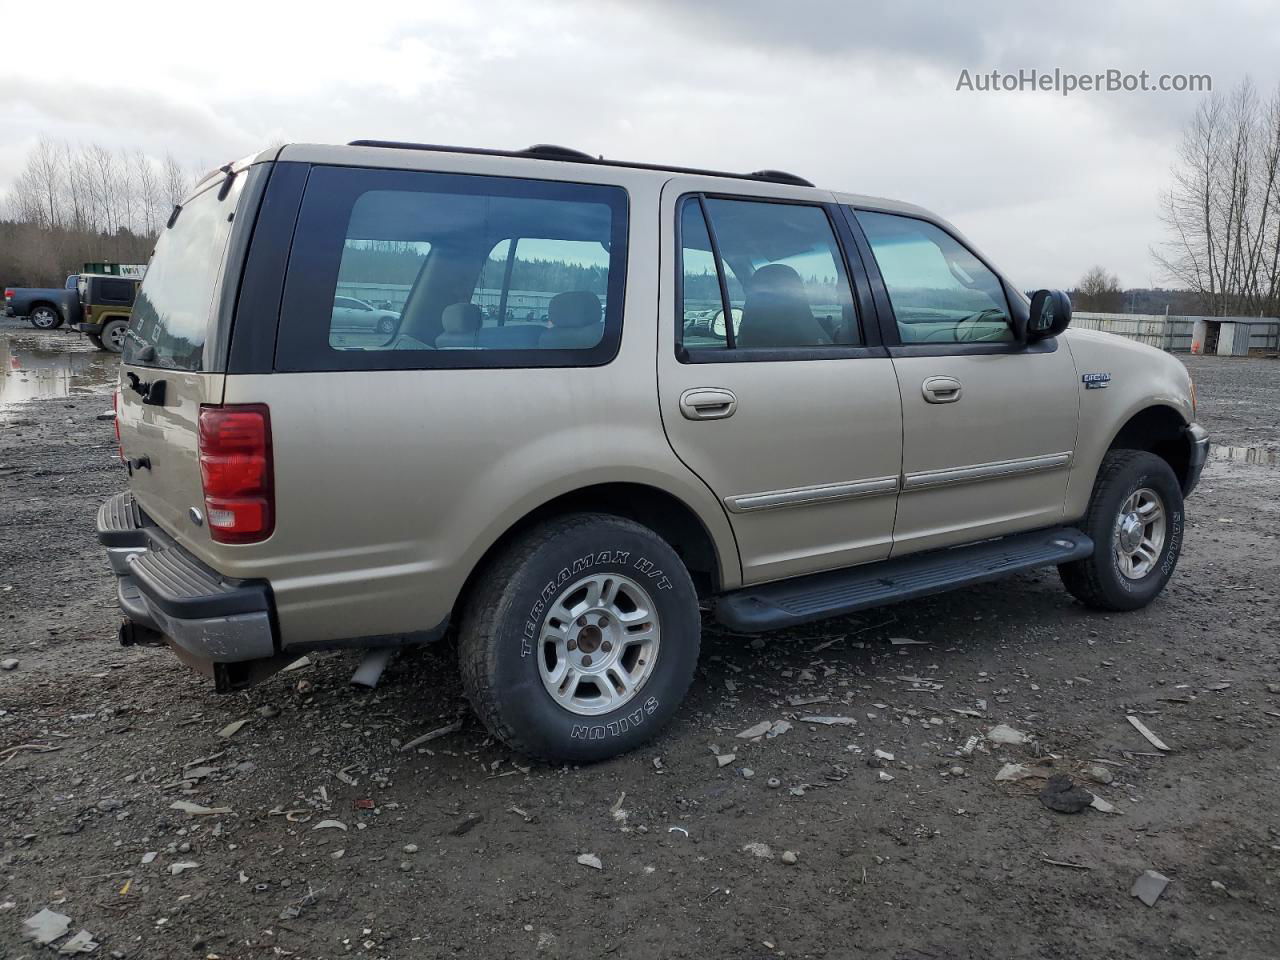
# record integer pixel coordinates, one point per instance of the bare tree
(1223, 211)
(1099, 290)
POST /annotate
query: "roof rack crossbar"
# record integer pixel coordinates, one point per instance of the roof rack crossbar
(546, 151)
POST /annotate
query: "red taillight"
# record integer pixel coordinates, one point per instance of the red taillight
(8, 293)
(236, 471)
(115, 406)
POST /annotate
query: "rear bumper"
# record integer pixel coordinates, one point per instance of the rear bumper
(160, 586)
(1198, 442)
(94, 328)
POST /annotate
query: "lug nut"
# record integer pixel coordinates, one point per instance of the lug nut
(572, 644)
(586, 661)
(604, 621)
(582, 621)
(606, 646)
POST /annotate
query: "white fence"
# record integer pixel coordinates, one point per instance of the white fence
(1175, 333)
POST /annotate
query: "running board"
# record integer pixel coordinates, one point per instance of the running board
(787, 603)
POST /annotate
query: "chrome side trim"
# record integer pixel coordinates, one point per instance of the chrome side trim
(823, 493)
(926, 479)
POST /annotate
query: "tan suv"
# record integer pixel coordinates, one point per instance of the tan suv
(613, 393)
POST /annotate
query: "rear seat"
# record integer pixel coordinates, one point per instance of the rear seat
(575, 321)
(460, 322)
(511, 336)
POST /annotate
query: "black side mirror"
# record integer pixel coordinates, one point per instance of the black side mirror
(1050, 315)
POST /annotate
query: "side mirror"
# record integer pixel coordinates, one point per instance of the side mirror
(1050, 315)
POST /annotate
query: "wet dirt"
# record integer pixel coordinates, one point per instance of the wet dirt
(457, 848)
(47, 364)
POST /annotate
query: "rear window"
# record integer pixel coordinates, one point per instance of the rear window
(173, 309)
(400, 269)
(115, 291)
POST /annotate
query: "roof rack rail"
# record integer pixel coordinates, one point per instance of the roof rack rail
(547, 151)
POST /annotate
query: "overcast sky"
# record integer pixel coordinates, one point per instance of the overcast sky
(860, 100)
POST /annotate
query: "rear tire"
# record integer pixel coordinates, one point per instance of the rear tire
(44, 317)
(95, 340)
(112, 336)
(580, 639)
(1135, 519)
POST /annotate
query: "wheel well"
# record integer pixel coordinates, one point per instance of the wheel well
(1158, 430)
(35, 304)
(664, 514)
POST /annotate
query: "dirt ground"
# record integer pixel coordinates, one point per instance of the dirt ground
(457, 848)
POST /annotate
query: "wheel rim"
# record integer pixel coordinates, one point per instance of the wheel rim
(115, 336)
(1140, 533)
(44, 318)
(599, 644)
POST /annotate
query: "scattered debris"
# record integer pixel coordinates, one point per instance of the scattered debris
(410, 848)
(268, 710)
(45, 926)
(678, 830)
(724, 759)
(1064, 795)
(232, 728)
(773, 783)
(1021, 771)
(831, 721)
(885, 777)
(906, 642)
(1005, 734)
(330, 825)
(970, 745)
(1149, 886)
(790, 857)
(8, 663)
(196, 810)
(761, 850)
(590, 860)
(1151, 737)
(1100, 773)
(82, 942)
(747, 773)
(884, 755)
(466, 825)
(759, 730)
(1065, 863)
(779, 727)
(297, 664)
(435, 734)
(1103, 806)
(179, 867)
(149, 856)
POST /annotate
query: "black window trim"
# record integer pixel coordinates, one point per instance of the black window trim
(288, 358)
(864, 307)
(884, 305)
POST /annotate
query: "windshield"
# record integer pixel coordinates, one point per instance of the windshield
(171, 318)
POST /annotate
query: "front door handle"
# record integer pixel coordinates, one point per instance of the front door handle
(708, 403)
(941, 390)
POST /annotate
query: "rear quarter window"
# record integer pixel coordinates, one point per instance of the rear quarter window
(173, 312)
(408, 270)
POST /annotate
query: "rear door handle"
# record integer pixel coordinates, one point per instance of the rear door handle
(941, 390)
(708, 403)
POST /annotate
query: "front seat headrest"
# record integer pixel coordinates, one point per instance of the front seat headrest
(576, 308)
(461, 318)
(777, 280)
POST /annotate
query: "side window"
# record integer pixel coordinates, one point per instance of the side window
(941, 292)
(784, 277)
(428, 270)
(116, 291)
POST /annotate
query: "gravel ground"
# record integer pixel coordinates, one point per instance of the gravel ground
(457, 848)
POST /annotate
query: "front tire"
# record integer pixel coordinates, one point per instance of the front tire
(112, 336)
(95, 340)
(580, 640)
(45, 318)
(1135, 519)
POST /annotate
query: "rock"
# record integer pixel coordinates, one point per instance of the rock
(466, 825)
(1149, 886)
(45, 927)
(759, 730)
(9, 663)
(82, 942)
(149, 856)
(724, 759)
(756, 849)
(885, 777)
(1218, 885)
(779, 727)
(1005, 734)
(268, 710)
(957, 771)
(177, 868)
(197, 810)
(1099, 773)
(747, 773)
(831, 721)
(790, 857)
(406, 866)
(1101, 805)
(590, 860)
(884, 755)
(107, 804)
(1064, 795)
(410, 848)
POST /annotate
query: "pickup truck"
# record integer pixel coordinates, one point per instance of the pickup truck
(46, 307)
